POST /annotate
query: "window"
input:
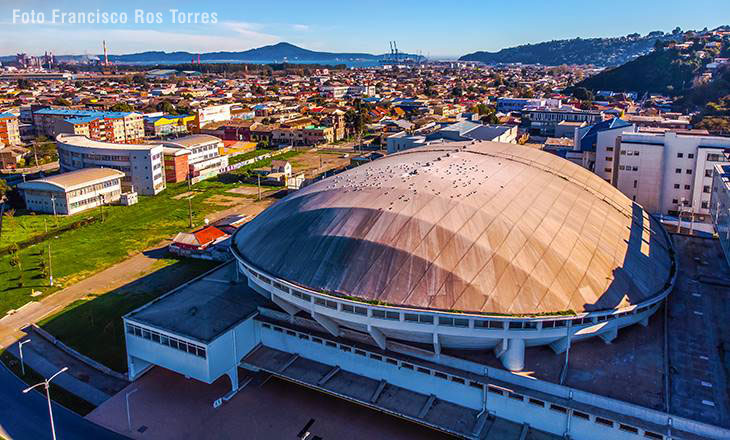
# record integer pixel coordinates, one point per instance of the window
(380, 314)
(628, 428)
(348, 308)
(680, 155)
(690, 156)
(581, 415)
(687, 187)
(605, 422)
(708, 173)
(676, 186)
(654, 435)
(689, 171)
(675, 201)
(678, 170)
(705, 205)
(636, 182)
(706, 189)
(536, 402)
(395, 316)
(411, 317)
(425, 319)
(558, 408)
(446, 321)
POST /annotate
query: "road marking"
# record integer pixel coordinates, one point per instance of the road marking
(698, 313)
(708, 403)
(704, 358)
(697, 295)
(706, 384)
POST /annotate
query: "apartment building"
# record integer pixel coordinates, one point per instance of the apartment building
(72, 192)
(543, 120)
(141, 163)
(337, 92)
(114, 127)
(196, 157)
(669, 172)
(720, 206)
(9, 131)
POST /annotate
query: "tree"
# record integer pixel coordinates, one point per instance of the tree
(4, 189)
(166, 107)
(583, 94)
(121, 107)
(62, 102)
(16, 261)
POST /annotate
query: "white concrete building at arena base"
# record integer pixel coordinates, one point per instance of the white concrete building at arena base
(368, 277)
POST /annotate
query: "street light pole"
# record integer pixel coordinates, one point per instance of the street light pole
(129, 417)
(47, 384)
(22, 363)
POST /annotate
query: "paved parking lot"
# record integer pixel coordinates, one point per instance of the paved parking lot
(167, 406)
(698, 331)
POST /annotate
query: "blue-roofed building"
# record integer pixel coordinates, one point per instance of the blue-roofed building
(105, 126)
(597, 143)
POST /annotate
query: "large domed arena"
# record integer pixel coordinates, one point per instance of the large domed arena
(495, 236)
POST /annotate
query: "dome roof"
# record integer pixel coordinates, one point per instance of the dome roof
(476, 227)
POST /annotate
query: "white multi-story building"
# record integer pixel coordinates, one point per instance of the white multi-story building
(667, 173)
(213, 113)
(73, 192)
(141, 163)
(720, 206)
(204, 159)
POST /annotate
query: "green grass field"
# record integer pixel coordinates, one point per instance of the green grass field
(24, 225)
(94, 326)
(246, 156)
(81, 252)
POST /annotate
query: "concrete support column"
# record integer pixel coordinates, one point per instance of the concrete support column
(436, 345)
(513, 358)
(233, 375)
(609, 335)
(377, 336)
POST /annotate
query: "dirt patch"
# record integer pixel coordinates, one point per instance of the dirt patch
(244, 190)
(221, 200)
(183, 195)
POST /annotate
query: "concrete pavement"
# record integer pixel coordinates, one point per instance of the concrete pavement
(25, 416)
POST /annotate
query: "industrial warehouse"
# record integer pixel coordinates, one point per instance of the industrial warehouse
(378, 285)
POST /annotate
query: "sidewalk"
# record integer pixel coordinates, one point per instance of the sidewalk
(42, 357)
(104, 281)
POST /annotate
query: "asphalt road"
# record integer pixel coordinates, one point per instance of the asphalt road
(25, 416)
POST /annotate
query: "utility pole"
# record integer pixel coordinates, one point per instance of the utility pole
(53, 202)
(35, 153)
(258, 178)
(47, 385)
(190, 211)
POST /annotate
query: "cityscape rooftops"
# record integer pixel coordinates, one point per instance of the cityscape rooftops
(77, 140)
(75, 179)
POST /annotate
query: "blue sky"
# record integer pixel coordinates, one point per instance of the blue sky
(436, 28)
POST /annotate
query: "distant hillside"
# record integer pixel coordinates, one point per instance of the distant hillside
(597, 51)
(661, 71)
(267, 53)
(277, 52)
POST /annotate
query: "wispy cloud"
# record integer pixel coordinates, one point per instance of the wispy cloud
(235, 37)
(301, 27)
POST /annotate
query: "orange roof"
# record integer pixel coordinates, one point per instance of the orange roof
(208, 234)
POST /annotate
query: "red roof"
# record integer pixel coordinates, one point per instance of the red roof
(208, 235)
